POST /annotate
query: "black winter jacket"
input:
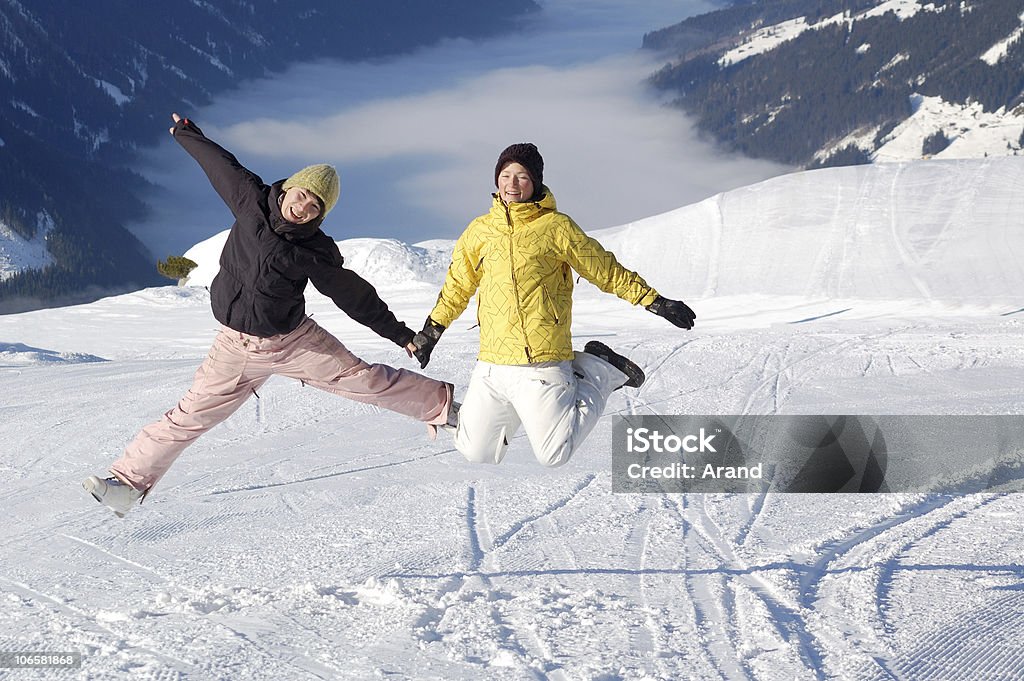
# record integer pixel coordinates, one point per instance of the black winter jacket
(267, 261)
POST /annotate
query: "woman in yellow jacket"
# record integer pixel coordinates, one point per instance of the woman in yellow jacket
(519, 258)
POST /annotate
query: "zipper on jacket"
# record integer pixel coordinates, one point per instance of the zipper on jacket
(515, 284)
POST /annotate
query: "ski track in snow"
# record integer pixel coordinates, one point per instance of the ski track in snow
(693, 617)
(686, 593)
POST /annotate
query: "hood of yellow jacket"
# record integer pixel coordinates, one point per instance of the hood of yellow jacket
(524, 211)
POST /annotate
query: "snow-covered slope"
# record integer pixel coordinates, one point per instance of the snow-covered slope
(949, 231)
(768, 38)
(312, 537)
(18, 254)
(871, 81)
(936, 231)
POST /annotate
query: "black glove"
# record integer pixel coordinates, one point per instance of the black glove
(676, 311)
(425, 341)
(186, 124)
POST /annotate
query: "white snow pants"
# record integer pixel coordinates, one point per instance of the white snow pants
(558, 403)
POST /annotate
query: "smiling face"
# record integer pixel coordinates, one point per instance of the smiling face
(299, 206)
(515, 184)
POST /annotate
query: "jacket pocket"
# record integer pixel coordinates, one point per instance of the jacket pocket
(549, 305)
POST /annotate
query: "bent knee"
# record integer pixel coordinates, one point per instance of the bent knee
(482, 452)
(555, 457)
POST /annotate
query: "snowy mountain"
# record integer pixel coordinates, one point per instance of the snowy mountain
(82, 88)
(18, 253)
(313, 537)
(820, 82)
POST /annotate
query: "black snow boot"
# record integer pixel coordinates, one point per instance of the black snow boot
(634, 374)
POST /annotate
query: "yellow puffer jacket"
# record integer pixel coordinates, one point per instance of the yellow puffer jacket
(519, 256)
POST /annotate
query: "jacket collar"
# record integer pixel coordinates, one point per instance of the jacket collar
(525, 211)
(284, 228)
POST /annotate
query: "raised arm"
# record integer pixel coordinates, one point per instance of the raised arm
(237, 186)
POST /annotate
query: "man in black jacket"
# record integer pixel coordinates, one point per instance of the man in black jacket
(274, 248)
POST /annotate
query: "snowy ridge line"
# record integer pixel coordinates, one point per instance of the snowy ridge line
(349, 471)
(902, 232)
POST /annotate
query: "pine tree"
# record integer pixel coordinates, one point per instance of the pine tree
(934, 143)
(177, 267)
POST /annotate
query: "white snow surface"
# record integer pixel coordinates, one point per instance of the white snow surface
(313, 537)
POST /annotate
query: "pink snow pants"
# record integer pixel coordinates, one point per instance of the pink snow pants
(238, 364)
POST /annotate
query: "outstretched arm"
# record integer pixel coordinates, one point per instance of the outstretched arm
(236, 185)
(359, 300)
(600, 267)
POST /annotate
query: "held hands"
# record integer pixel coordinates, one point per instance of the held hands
(423, 342)
(676, 311)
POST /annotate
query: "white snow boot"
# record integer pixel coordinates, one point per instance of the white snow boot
(634, 374)
(113, 494)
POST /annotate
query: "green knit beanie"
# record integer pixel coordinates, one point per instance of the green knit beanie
(321, 179)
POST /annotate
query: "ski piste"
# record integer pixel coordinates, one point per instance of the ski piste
(311, 536)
